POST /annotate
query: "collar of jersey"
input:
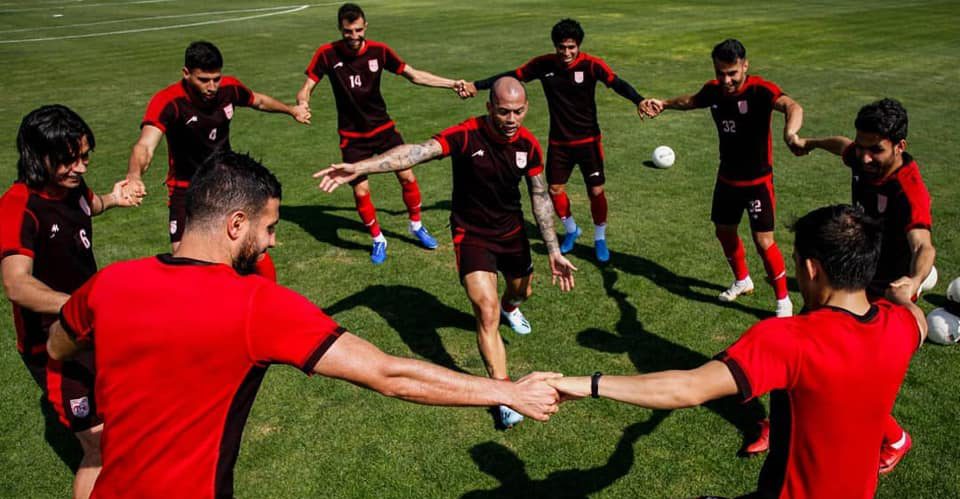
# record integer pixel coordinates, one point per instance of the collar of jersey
(346, 50)
(576, 60)
(169, 259)
(867, 317)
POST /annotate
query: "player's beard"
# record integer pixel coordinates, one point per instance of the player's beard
(246, 262)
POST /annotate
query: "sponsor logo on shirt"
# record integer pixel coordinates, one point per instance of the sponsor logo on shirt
(742, 106)
(374, 65)
(80, 407)
(578, 76)
(479, 153)
(228, 110)
(54, 229)
(193, 119)
(548, 75)
(521, 159)
(338, 65)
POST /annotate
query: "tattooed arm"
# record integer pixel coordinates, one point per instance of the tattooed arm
(399, 158)
(560, 268)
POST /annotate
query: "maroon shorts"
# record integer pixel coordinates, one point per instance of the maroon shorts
(177, 202)
(756, 197)
(359, 149)
(562, 158)
(68, 385)
(509, 255)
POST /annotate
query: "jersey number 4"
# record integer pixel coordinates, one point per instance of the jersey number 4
(355, 81)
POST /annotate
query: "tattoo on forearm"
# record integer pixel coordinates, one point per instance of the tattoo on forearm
(405, 157)
(543, 212)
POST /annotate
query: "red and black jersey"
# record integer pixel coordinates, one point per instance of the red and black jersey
(901, 202)
(355, 79)
(743, 124)
(195, 129)
(833, 378)
(56, 232)
(571, 94)
(487, 169)
(181, 348)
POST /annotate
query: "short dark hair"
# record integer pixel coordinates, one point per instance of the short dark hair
(846, 242)
(566, 28)
(228, 182)
(885, 117)
(203, 55)
(49, 136)
(349, 12)
(729, 51)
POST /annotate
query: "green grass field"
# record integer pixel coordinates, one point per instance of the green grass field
(653, 307)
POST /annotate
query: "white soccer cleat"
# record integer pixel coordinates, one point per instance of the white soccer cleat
(928, 283)
(785, 307)
(516, 321)
(744, 287)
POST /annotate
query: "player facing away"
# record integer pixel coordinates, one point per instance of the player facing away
(177, 393)
(742, 106)
(569, 78)
(195, 114)
(46, 247)
(490, 154)
(833, 372)
(354, 66)
(886, 182)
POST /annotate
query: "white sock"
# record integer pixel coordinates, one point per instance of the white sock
(569, 225)
(900, 443)
(599, 232)
(380, 238)
(415, 225)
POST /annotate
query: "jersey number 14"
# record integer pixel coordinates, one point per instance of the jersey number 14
(354, 81)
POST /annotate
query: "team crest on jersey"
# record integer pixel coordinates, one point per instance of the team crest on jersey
(881, 203)
(228, 110)
(742, 106)
(173, 226)
(521, 159)
(578, 76)
(80, 407)
(374, 65)
(84, 206)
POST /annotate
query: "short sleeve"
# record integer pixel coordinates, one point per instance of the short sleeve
(318, 65)
(602, 72)
(239, 93)
(285, 328)
(452, 139)
(392, 62)
(705, 96)
(535, 161)
(161, 112)
(772, 90)
(76, 316)
(918, 198)
(18, 225)
(765, 358)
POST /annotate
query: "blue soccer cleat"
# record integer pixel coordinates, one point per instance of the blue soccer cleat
(568, 240)
(426, 240)
(378, 254)
(600, 248)
(517, 322)
(505, 418)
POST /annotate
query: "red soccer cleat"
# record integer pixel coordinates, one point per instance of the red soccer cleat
(762, 443)
(890, 457)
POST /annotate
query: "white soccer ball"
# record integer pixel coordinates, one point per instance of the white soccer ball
(953, 291)
(943, 327)
(663, 157)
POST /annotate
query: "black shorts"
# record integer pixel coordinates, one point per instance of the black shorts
(510, 255)
(562, 158)
(177, 202)
(68, 386)
(758, 199)
(359, 149)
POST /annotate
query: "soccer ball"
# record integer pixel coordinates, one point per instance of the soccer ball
(953, 291)
(943, 327)
(663, 157)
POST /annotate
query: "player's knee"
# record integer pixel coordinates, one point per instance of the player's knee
(595, 191)
(557, 189)
(406, 176)
(763, 240)
(361, 190)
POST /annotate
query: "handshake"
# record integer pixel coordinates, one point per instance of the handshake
(538, 395)
(464, 89)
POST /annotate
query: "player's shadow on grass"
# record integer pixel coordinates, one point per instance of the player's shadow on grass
(324, 226)
(415, 314)
(503, 464)
(443, 204)
(59, 437)
(650, 353)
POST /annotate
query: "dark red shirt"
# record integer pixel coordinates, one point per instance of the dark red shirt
(181, 348)
(743, 124)
(56, 232)
(833, 378)
(571, 93)
(195, 129)
(487, 169)
(901, 202)
(355, 79)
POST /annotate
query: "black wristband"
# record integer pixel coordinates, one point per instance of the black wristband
(595, 384)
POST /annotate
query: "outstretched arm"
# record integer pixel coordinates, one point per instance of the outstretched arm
(904, 290)
(140, 158)
(835, 144)
(626, 90)
(265, 103)
(659, 390)
(399, 158)
(560, 268)
(119, 196)
(469, 89)
(303, 95)
(426, 79)
(792, 122)
(653, 107)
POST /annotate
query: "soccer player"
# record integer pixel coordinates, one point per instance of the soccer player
(177, 379)
(742, 106)
(355, 66)
(834, 371)
(195, 114)
(888, 185)
(46, 247)
(491, 154)
(569, 78)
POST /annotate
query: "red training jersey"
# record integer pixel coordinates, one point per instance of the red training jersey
(57, 233)
(833, 378)
(743, 124)
(571, 93)
(195, 129)
(355, 79)
(181, 348)
(901, 202)
(487, 169)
